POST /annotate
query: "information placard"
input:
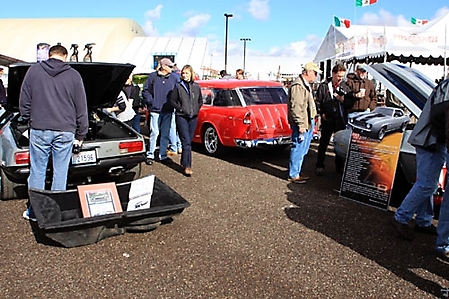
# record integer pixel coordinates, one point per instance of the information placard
(99, 199)
(370, 169)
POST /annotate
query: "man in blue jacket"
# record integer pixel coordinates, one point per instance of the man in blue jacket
(156, 95)
(53, 101)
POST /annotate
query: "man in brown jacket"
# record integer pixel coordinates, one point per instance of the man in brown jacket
(364, 92)
(301, 114)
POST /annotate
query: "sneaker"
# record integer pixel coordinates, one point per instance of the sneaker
(166, 161)
(429, 230)
(149, 161)
(297, 180)
(404, 231)
(26, 216)
(171, 153)
(319, 171)
(188, 171)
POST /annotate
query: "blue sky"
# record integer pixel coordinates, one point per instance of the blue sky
(292, 28)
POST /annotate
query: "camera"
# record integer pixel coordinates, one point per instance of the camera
(339, 92)
(76, 149)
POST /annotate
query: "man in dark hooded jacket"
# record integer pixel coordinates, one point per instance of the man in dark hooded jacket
(53, 101)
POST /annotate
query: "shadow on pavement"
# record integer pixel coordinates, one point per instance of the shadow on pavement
(367, 230)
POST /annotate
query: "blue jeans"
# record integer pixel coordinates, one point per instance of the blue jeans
(443, 221)
(420, 198)
(300, 148)
(159, 122)
(42, 144)
(186, 128)
(175, 141)
(136, 122)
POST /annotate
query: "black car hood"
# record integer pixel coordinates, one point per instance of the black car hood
(102, 82)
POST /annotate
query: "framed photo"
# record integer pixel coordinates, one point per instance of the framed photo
(99, 199)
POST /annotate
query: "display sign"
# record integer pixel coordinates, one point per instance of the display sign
(140, 193)
(99, 199)
(370, 169)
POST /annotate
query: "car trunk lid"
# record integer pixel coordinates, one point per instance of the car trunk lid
(102, 82)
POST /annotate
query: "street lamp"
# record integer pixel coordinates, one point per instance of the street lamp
(226, 41)
(244, 50)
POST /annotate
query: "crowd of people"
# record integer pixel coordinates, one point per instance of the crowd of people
(339, 96)
(173, 101)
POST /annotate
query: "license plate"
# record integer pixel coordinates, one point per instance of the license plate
(84, 157)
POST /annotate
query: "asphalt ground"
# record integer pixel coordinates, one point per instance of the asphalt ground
(247, 234)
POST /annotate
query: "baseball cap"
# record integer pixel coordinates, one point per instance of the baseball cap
(311, 66)
(167, 61)
(361, 67)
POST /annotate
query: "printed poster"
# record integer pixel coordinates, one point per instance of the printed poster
(370, 169)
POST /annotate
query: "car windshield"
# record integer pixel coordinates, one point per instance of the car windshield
(264, 95)
(384, 111)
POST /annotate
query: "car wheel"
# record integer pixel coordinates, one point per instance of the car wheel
(10, 189)
(381, 133)
(211, 142)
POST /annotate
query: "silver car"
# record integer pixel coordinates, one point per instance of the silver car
(111, 150)
(379, 122)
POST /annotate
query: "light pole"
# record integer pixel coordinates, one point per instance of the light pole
(244, 50)
(226, 41)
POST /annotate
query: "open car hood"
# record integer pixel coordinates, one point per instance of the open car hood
(409, 85)
(102, 82)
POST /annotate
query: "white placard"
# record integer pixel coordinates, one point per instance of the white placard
(140, 193)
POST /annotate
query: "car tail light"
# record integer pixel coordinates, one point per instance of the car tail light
(22, 158)
(247, 118)
(130, 147)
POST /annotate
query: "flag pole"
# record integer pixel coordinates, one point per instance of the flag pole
(335, 41)
(385, 44)
(445, 43)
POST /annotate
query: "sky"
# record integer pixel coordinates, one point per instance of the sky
(284, 29)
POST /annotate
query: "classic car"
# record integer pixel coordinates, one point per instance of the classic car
(406, 89)
(379, 122)
(242, 113)
(111, 150)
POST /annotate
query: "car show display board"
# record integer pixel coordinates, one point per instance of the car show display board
(370, 169)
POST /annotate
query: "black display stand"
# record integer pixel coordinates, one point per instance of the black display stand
(60, 218)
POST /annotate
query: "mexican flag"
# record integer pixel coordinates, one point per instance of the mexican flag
(419, 21)
(364, 2)
(339, 22)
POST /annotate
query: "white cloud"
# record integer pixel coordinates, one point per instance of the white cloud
(149, 29)
(259, 9)
(155, 13)
(193, 25)
(150, 16)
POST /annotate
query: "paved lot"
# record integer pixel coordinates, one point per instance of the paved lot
(247, 234)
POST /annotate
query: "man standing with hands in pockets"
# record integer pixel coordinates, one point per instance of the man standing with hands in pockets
(301, 114)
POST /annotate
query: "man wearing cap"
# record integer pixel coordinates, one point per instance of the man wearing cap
(301, 114)
(363, 91)
(156, 94)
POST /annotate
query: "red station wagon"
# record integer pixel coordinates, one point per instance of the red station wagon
(242, 113)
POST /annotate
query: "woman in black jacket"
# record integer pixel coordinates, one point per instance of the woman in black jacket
(187, 100)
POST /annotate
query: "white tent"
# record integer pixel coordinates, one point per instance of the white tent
(114, 39)
(420, 46)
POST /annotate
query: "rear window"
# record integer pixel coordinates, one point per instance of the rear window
(264, 95)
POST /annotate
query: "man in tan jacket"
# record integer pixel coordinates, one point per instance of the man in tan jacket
(301, 114)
